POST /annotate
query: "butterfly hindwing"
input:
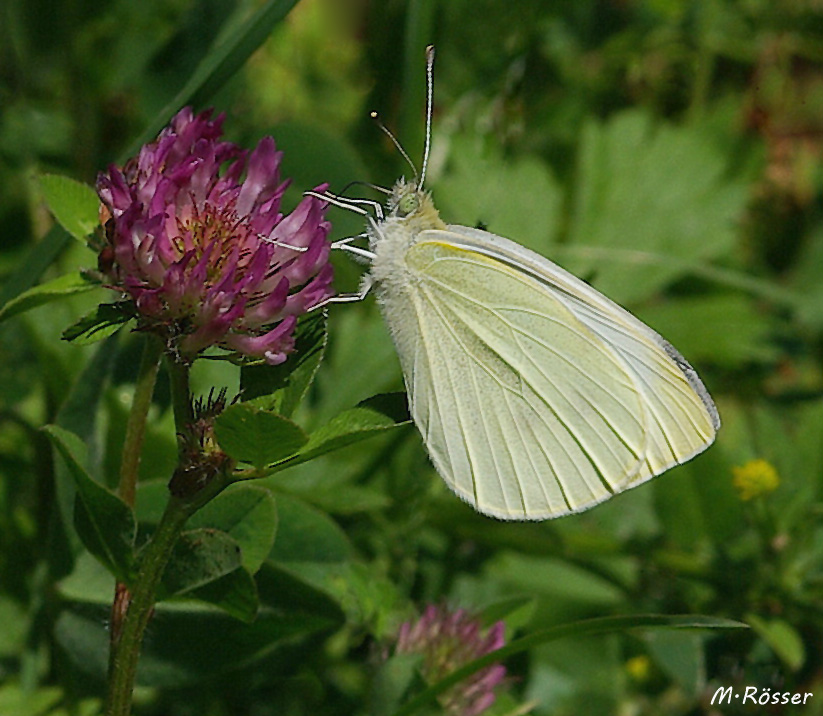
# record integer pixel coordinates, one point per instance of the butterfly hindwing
(526, 415)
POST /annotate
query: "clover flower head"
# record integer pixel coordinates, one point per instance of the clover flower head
(755, 478)
(447, 641)
(196, 239)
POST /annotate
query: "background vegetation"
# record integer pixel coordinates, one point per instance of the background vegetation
(667, 151)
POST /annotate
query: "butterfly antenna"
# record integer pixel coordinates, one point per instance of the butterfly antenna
(385, 130)
(429, 102)
(358, 182)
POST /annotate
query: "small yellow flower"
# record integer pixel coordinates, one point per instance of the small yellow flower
(639, 667)
(755, 478)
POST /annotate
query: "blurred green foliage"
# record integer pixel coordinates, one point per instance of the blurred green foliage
(668, 151)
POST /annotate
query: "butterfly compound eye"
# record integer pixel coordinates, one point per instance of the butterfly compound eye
(407, 204)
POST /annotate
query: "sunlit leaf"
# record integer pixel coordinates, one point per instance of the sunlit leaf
(651, 187)
(257, 436)
(43, 293)
(74, 204)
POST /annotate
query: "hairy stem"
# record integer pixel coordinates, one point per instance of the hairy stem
(133, 608)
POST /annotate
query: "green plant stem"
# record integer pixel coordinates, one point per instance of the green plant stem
(129, 464)
(126, 648)
(136, 425)
(134, 608)
(180, 395)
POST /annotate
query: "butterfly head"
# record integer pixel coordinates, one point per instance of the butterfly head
(413, 206)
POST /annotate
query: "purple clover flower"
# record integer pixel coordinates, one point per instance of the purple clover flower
(195, 238)
(448, 640)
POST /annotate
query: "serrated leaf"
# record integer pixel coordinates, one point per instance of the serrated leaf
(75, 205)
(200, 556)
(727, 329)
(280, 388)
(257, 437)
(648, 187)
(100, 323)
(481, 186)
(248, 514)
(43, 293)
(372, 417)
(104, 522)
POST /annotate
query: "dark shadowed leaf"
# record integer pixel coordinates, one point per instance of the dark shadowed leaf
(248, 514)
(280, 388)
(100, 323)
(200, 556)
(104, 522)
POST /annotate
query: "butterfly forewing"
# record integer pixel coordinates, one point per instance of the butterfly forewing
(682, 419)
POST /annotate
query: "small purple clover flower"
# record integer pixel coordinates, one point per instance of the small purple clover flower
(196, 239)
(447, 641)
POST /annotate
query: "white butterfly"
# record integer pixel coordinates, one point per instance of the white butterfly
(536, 396)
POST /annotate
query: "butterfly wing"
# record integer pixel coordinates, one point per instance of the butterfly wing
(520, 384)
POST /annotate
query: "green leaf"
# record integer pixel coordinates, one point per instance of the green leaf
(394, 677)
(727, 329)
(17, 701)
(280, 388)
(74, 204)
(235, 593)
(257, 437)
(104, 522)
(516, 611)
(371, 417)
(100, 323)
(248, 514)
(88, 582)
(586, 627)
(43, 293)
(782, 638)
(651, 188)
(680, 654)
(305, 534)
(78, 415)
(16, 624)
(200, 556)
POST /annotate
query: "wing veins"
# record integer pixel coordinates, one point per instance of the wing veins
(571, 433)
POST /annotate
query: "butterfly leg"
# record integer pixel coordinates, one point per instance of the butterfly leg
(366, 284)
(345, 245)
(268, 240)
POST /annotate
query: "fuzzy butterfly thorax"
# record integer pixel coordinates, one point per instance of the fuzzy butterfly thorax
(411, 211)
